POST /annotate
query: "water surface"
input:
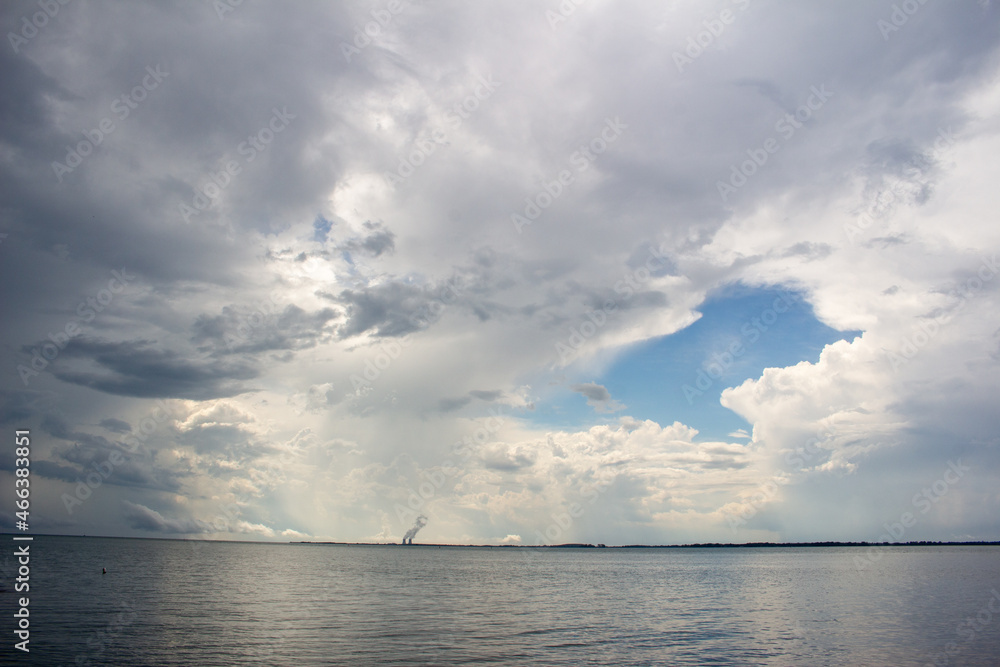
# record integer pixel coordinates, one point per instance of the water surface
(166, 602)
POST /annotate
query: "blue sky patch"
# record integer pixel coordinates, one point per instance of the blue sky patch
(680, 377)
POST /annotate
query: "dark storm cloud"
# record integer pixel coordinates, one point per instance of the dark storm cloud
(54, 470)
(210, 101)
(26, 106)
(141, 517)
(242, 330)
(19, 405)
(138, 368)
(57, 428)
(84, 453)
(136, 470)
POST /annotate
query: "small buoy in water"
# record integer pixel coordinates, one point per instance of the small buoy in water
(104, 570)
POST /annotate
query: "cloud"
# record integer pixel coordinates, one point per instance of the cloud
(483, 395)
(597, 397)
(379, 241)
(387, 310)
(254, 529)
(115, 425)
(293, 534)
(143, 518)
(138, 368)
(19, 405)
(452, 404)
(75, 454)
(505, 458)
(317, 398)
(253, 330)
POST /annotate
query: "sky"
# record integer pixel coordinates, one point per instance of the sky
(529, 272)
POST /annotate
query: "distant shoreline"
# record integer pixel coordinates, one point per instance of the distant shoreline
(571, 545)
(708, 545)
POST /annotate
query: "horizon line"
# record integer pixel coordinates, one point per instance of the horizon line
(567, 545)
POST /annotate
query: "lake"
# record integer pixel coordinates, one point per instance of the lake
(166, 602)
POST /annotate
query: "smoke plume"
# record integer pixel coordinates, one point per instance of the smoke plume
(417, 525)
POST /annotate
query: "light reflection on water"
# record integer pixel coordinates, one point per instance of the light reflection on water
(172, 603)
